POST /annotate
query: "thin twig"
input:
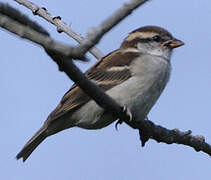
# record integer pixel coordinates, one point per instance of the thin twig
(149, 130)
(61, 26)
(95, 34)
(31, 34)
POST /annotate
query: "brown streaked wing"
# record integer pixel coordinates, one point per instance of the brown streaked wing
(108, 72)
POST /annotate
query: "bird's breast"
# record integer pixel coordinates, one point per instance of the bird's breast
(139, 93)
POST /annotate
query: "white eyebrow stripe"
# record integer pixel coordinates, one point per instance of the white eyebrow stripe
(140, 35)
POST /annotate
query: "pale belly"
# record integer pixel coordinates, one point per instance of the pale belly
(138, 94)
(92, 116)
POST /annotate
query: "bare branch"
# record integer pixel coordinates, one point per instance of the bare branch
(31, 34)
(95, 34)
(148, 130)
(61, 26)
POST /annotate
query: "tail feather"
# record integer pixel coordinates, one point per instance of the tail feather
(32, 144)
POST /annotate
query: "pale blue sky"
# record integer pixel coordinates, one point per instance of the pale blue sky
(32, 86)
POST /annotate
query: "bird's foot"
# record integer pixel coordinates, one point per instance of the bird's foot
(128, 115)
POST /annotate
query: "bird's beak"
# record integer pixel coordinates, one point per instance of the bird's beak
(174, 43)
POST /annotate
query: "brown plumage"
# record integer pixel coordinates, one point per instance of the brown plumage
(101, 74)
(134, 75)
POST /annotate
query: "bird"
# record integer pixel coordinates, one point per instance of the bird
(134, 75)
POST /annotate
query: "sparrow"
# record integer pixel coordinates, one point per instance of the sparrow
(134, 75)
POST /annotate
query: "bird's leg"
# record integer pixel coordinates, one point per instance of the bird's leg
(128, 115)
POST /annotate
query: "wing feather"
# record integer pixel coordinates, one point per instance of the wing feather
(108, 72)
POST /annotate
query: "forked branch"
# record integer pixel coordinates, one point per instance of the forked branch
(61, 54)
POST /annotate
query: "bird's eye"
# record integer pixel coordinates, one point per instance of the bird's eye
(156, 38)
